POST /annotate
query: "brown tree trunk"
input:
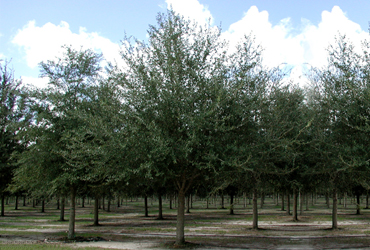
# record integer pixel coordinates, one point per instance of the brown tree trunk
(146, 206)
(367, 200)
(170, 201)
(307, 195)
(295, 205)
(83, 202)
(96, 211)
(335, 210)
(222, 201)
(288, 203)
(2, 205)
(282, 202)
(188, 204)
(43, 206)
(255, 209)
(24, 200)
(262, 200)
(160, 212)
(62, 206)
(358, 203)
(16, 203)
(231, 204)
(180, 227)
(301, 203)
(108, 209)
(72, 215)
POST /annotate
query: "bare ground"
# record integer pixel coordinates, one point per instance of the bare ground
(125, 228)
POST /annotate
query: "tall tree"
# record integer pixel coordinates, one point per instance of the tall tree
(14, 116)
(173, 86)
(60, 133)
(343, 91)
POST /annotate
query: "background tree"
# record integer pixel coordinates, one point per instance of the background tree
(14, 116)
(342, 91)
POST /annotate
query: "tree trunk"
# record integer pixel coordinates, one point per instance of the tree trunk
(188, 204)
(301, 203)
(222, 201)
(262, 200)
(160, 212)
(335, 210)
(191, 201)
(43, 206)
(96, 211)
(118, 201)
(358, 203)
(83, 202)
(307, 195)
(295, 205)
(103, 201)
(282, 202)
(180, 227)
(345, 200)
(244, 200)
(255, 209)
(367, 200)
(2, 205)
(327, 200)
(16, 203)
(170, 201)
(146, 206)
(58, 203)
(24, 200)
(288, 204)
(231, 204)
(72, 215)
(62, 206)
(109, 201)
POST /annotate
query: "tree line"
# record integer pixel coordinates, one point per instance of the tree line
(186, 114)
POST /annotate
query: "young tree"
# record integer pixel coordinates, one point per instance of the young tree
(342, 95)
(63, 146)
(14, 116)
(173, 87)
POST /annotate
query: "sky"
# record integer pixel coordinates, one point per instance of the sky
(292, 33)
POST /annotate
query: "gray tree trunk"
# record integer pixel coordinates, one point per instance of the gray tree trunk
(146, 206)
(295, 205)
(96, 211)
(16, 203)
(62, 206)
(160, 212)
(72, 215)
(335, 210)
(2, 205)
(180, 226)
(255, 209)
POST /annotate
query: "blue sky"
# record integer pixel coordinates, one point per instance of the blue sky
(291, 31)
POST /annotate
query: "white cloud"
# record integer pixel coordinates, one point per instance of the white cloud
(191, 9)
(308, 46)
(34, 81)
(44, 42)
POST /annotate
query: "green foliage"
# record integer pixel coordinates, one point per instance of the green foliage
(14, 117)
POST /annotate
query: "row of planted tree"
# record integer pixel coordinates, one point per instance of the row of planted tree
(186, 112)
(240, 202)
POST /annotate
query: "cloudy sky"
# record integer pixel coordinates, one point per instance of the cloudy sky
(292, 32)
